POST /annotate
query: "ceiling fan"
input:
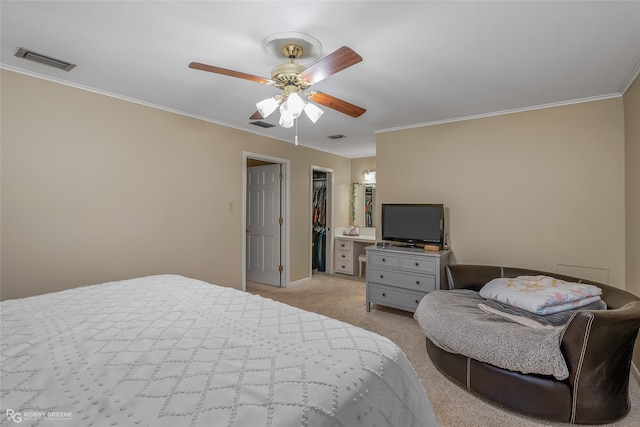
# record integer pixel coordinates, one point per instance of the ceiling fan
(294, 79)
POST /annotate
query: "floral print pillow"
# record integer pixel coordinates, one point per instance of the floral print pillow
(540, 294)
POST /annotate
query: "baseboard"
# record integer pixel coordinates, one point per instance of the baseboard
(299, 282)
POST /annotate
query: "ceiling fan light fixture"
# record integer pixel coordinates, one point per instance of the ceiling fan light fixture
(267, 106)
(313, 112)
(286, 120)
(286, 117)
(295, 105)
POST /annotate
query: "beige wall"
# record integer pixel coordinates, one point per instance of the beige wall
(97, 189)
(632, 171)
(531, 189)
(359, 166)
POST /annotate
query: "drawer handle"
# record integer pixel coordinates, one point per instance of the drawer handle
(418, 282)
(381, 276)
(417, 302)
(417, 264)
(344, 266)
(343, 256)
(384, 295)
(384, 260)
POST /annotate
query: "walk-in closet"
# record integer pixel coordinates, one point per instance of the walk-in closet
(319, 221)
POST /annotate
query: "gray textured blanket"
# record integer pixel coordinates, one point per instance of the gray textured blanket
(453, 321)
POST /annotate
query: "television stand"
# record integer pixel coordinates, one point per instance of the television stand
(399, 277)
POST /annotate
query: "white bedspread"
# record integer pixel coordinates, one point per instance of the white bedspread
(172, 351)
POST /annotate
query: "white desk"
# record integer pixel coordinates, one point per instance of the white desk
(349, 250)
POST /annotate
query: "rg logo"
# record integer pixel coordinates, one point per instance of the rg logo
(16, 417)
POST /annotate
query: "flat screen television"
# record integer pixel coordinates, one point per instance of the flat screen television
(413, 224)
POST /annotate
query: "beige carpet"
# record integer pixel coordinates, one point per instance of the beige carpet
(344, 299)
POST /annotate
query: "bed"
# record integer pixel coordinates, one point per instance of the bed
(167, 350)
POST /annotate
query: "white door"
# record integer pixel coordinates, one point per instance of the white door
(263, 224)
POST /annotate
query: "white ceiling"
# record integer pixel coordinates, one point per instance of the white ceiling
(423, 62)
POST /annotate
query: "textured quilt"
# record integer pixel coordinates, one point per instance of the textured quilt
(172, 351)
(540, 294)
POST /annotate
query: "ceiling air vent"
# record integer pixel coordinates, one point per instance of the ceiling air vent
(336, 136)
(43, 59)
(262, 124)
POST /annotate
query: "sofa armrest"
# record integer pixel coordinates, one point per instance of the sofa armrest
(598, 347)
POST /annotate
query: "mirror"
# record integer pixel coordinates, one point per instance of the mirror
(362, 204)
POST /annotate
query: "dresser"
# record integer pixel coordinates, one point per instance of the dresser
(399, 277)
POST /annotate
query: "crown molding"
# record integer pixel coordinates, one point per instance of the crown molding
(503, 112)
(632, 78)
(133, 100)
(417, 125)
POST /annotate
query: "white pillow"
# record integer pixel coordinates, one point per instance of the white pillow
(540, 294)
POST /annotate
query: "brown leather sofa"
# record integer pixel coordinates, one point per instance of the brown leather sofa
(597, 346)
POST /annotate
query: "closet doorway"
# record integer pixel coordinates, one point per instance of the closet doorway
(265, 208)
(321, 220)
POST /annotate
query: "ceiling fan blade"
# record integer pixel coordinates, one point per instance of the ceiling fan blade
(336, 104)
(256, 116)
(331, 64)
(224, 71)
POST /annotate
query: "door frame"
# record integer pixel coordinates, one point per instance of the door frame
(329, 238)
(284, 211)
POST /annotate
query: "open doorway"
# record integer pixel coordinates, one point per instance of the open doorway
(321, 220)
(265, 248)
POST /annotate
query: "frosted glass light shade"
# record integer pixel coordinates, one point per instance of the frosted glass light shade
(295, 104)
(286, 118)
(267, 106)
(313, 112)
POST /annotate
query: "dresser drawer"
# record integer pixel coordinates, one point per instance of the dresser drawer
(342, 255)
(422, 264)
(388, 260)
(417, 282)
(346, 245)
(394, 297)
(345, 267)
